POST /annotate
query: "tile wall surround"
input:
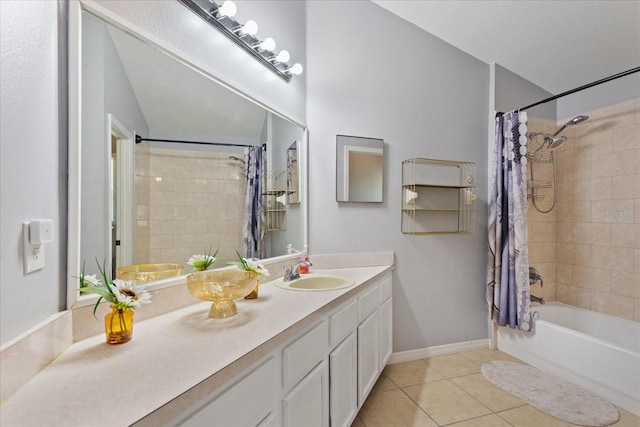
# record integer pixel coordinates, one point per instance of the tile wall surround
(542, 226)
(597, 215)
(186, 202)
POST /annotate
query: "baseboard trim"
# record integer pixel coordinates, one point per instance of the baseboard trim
(438, 350)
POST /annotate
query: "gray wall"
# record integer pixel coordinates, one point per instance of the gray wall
(613, 92)
(513, 91)
(32, 162)
(372, 74)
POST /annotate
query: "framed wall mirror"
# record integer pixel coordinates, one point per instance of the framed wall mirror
(161, 154)
(359, 169)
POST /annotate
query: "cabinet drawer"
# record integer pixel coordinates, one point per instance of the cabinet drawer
(368, 302)
(385, 288)
(342, 323)
(303, 354)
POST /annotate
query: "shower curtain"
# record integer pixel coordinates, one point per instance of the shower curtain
(253, 230)
(508, 257)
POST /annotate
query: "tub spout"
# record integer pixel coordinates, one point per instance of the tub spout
(536, 299)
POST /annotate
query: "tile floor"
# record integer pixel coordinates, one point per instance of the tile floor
(451, 391)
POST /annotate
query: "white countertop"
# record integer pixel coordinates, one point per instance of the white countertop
(95, 384)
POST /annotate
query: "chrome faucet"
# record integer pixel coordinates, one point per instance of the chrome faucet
(534, 277)
(536, 299)
(292, 272)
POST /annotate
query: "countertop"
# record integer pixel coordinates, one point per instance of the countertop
(170, 356)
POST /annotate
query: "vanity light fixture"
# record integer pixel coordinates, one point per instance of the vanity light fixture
(295, 69)
(267, 44)
(282, 57)
(228, 9)
(244, 36)
(248, 29)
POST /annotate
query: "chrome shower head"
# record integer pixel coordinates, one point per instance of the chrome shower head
(556, 142)
(574, 121)
(237, 159)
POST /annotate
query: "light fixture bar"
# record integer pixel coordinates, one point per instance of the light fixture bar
(227, 25)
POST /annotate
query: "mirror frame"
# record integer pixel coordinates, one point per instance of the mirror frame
(74, 153)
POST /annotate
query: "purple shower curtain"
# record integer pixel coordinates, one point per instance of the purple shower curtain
(508, 256)
(253, 230)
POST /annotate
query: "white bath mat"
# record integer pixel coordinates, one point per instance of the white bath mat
(551, 395)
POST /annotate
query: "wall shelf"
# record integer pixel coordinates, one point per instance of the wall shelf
(438, 197)
(275, 200)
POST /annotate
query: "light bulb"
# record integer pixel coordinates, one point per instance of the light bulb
(268, 44)
(283, 56)
(228, 8)
(295, 69)
(249, 28)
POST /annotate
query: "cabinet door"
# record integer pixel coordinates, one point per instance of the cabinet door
(343, 392)
(249, 402)
(308, 402)
(368, 355)
(386, 332)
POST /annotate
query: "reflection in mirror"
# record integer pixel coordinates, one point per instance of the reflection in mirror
(165, 155)
(293, 175)
(359, 169)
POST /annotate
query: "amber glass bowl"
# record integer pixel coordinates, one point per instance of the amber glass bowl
(221, 287)
(142, 273)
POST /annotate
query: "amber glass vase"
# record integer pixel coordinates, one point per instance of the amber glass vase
(254, 292)
(118, 326)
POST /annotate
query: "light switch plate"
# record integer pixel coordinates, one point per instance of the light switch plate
(33, 255)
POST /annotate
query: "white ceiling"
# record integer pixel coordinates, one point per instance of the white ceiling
(557, 45)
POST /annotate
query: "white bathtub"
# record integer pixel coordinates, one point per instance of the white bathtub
(598, 352)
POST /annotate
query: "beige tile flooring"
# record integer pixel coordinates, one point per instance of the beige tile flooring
(451, 391)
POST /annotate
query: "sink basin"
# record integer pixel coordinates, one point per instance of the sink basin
(314, 282)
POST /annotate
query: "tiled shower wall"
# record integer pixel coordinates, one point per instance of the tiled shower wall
(542, 226)
(597, 214)
(187, 201)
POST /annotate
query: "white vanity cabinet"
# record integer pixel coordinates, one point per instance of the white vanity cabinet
(320, 378)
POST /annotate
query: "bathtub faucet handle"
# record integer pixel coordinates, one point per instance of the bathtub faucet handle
(534, 277)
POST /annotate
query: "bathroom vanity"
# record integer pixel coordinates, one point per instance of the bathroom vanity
(287, 358)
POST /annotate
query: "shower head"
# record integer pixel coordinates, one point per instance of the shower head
(556, 142)
(574, 121)
(237, 159)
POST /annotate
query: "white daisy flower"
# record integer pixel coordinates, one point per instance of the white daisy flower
(201, 262)
(128, 296)
(256, 267)
(91, 280)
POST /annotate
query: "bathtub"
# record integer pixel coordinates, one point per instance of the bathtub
(598, 352)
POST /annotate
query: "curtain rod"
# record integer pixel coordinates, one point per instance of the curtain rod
(139, 139)
(578, 89)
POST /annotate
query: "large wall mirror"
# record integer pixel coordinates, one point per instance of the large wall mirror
(359, 169)
(164, 150)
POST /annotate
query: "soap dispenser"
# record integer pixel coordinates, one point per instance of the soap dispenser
(304, 268)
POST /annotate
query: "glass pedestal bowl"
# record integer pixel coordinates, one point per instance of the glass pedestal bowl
(142, 273)
(221, 287)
